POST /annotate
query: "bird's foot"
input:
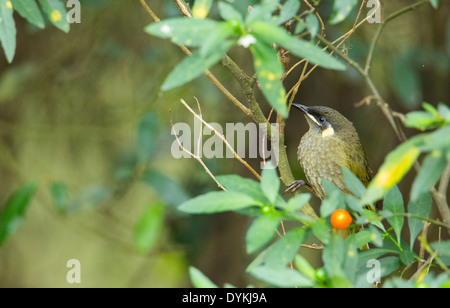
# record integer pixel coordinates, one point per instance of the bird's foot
(294, 186)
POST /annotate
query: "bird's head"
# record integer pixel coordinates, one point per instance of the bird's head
(326, 121)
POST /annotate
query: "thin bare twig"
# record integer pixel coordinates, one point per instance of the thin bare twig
(196, 157)
(223, 139)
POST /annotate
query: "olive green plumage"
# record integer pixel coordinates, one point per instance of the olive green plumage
(330, 143)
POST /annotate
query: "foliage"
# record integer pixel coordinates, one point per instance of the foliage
(258, 30)
(346, 264)
(276, 257)
(54, 10)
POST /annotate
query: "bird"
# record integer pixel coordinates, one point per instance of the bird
(331, 143)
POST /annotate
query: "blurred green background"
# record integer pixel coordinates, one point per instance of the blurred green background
(84, 110)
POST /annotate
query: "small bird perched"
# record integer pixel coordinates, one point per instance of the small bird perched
(330, 144)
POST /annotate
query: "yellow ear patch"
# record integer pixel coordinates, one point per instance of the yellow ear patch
(328, 132)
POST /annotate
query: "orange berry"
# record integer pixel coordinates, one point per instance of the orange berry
(341, 219)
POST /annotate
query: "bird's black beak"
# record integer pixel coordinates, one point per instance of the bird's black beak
(301, 107)
(308, 115)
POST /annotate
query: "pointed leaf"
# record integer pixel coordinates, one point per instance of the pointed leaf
(288, 11)
(393, 202)
(199, 280)
(274, 34)
(269, 71)
(429, 174)
(217, 201)
(396, 164)
(262, 11)
(420, 207)
(201, 8)
(30, 11)
(149, 227)
(183, 30)
(353, 183)
(270, 184)
(55, 10)
(14, 210)
(246, 186)
(261, 231)
(7, 29)
(283, 250)
(281, 277)
(228, 12)
(341, 9)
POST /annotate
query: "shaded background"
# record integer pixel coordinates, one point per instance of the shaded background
(71, 106)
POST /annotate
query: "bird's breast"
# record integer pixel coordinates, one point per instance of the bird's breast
(322, 158)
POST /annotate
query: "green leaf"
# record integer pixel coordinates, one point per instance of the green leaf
(261, 231)
(393, 202)
(297, 202)
(60, 194)
(55, 10)
(437, 140)
(270, 33)
(331, 203)
(30, 11)
(321, 230)
(7, 29)
(270, 183)
(333, 256)
(396, 164)
(420, 207)
(149, 227)
(353, 204)
(193, 66)
(228, 12)
(353, 183)
(182, 30)
(407, 257)
(218, 201)
(269, 71)
(444, 112)
(361, 238)
(304, 267)
(430, 172)
(216, 38)
(262, 11)
(246, 186)
(351, 260)
(201, 8)
(443, 248)
(147, 137)
(14, 210)
(341, 9)
(168, 189)
(283, 250)
(420, 119)
(288, 11)
(312, 24)
(199, 280)
(434, 3)
(281, 277)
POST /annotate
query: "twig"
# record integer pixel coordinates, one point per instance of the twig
(196, 157)
(223, 139)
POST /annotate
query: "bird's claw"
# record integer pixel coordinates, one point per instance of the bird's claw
(294, 186)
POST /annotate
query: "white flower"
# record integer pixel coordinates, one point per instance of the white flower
(247, 40)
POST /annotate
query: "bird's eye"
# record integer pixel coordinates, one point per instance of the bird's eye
(321, 119)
